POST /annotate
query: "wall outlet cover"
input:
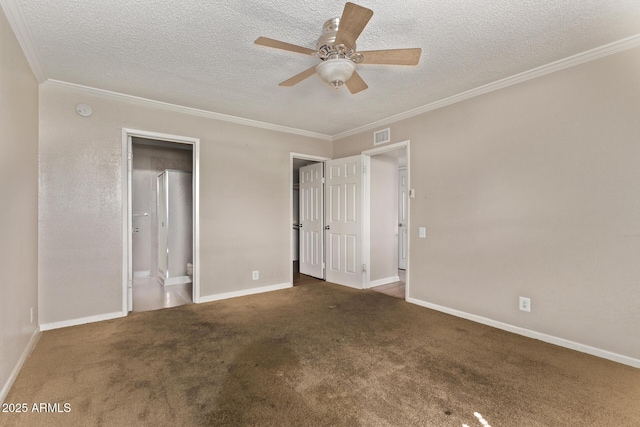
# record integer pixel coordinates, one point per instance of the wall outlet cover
(525, 304)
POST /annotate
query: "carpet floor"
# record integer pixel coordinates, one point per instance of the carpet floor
(317, 355)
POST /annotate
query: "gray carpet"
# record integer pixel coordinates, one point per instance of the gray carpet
(315, 355)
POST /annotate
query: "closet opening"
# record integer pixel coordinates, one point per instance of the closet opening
(307, 236)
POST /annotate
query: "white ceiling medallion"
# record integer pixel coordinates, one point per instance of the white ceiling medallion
(84, 110)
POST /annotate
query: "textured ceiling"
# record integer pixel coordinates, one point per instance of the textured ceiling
(201, 54)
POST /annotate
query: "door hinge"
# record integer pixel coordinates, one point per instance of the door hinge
(364, 169)
(322, 180)
(364, 268)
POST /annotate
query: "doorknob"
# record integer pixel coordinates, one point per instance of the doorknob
(327, 227)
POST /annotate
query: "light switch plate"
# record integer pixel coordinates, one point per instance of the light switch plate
(422, 232)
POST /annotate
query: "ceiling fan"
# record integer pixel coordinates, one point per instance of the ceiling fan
(336, 47)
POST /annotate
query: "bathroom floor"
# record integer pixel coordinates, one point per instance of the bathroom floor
(149, 294)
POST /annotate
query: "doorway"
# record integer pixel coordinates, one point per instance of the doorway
(160, 221)
(348, 258)
(388, 205)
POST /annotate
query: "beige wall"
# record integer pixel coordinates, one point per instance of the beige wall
(384, 218)
(533, 190)
(244, 200)
(19, 211)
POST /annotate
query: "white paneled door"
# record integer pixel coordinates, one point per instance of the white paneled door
(343, 216)
(311, 195)
(402, 218)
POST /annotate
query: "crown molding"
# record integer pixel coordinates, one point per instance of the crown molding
(187, 110)
(16, 20)
(571, 61)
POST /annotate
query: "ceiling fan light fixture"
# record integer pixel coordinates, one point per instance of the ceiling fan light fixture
(336, 71)
(336, 48)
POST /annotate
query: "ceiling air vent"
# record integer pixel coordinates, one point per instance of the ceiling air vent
(382, 136)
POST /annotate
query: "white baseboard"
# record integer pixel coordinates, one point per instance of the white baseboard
(16, 369)
(384, 281)
(348, 285)
(139, 274)
(81, 321)
(179, 280)
(583, 348)
(244, 292)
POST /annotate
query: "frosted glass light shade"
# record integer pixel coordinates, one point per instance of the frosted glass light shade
(336, 71)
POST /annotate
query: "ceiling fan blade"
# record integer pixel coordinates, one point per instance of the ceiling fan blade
(299, 77)
(354, 19)
(265, 41)
(355, 84)
(392, 56)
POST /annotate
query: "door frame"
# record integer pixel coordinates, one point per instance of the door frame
(300, 156)
(127, 206)
(367, 207)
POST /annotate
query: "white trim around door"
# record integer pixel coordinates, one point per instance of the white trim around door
(127, 135)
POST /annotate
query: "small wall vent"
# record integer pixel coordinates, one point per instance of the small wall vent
(382, 136)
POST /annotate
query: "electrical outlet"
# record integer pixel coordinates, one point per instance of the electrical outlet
(525, 304)
(255, 275)
(31, 314)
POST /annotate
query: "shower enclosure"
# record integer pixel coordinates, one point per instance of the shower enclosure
(175, 226)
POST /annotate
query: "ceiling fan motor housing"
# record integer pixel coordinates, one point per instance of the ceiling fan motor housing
(327, 48)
